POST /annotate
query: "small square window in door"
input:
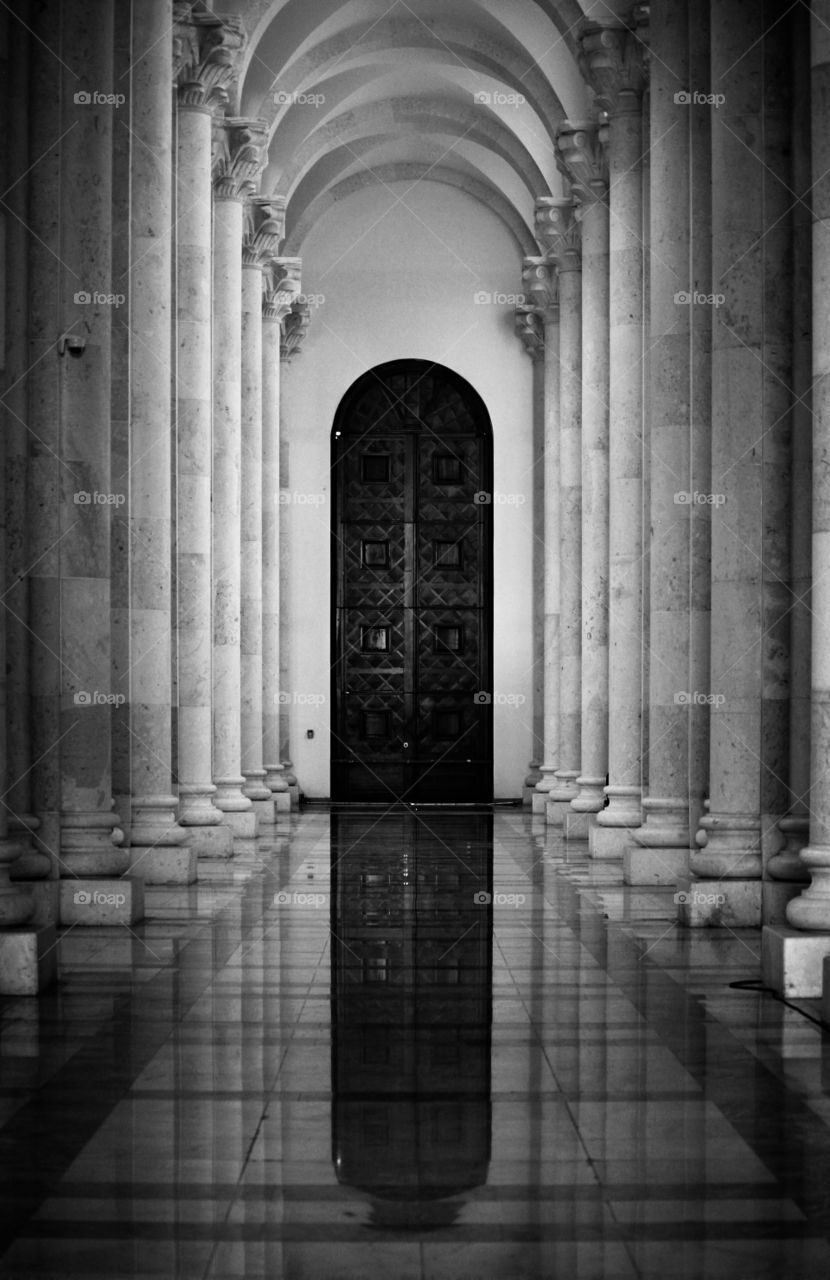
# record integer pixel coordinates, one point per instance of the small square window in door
(374, 468)
(375, 555)
(446, 468)
(374, 639)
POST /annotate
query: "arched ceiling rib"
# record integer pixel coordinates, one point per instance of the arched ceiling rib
(468, 94)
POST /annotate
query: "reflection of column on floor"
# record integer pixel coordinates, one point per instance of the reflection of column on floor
(265, 221)
(238, 161)
(89, 827)
(612, 62)
(541, 284)
(158, 849)
(35, 865)
(207, 49)
(282, 284)
(678, 388)
(751, 399)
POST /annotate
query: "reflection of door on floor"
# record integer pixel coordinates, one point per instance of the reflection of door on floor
(412, 577)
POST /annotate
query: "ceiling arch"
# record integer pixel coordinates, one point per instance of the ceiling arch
(357, 92)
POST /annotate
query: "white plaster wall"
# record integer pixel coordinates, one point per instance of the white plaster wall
(399, 269)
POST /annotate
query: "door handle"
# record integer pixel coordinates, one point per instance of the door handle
(406, 744)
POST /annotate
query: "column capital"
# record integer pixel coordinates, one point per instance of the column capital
(263, 230)
(282, 285)
(582, 158)
(542, 283)
(530, 330)
(206, 54)
(613, 60)
(558, 232)
(295, 329)
(239, 156)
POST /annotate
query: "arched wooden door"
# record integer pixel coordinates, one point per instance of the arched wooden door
(412, 589)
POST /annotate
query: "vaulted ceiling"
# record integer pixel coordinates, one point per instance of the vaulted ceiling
(464, 92)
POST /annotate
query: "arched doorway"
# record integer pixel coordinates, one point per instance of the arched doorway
(412, 597)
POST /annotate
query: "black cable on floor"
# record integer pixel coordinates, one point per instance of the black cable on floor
(756, 984)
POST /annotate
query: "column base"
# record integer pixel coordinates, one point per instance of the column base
(45, 897)
(265, 812)
(101, 902)
(211, 842)
(163, 864)
(608, 843)
(282, 801)
(775, 894)
(28, 959)
(575, 826)
(653, 866)
(536, 800)
(792, 962)
(242, 824)
(718, 904)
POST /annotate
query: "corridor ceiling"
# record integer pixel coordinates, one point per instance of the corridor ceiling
(463, 92)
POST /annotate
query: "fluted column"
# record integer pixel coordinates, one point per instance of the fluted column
(751, 398)
(611, 59)
(282, 284)
(542, 284)
(811, 910)
(206, 50)
(679, 371)
(157, 850)
(238, 164)
(265, 222)
(559, 232)
(582, 155)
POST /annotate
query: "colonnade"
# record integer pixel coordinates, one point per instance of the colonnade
(141, 427)
(677, 267)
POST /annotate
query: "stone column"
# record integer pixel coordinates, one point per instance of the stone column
(785, 868)
(612, 62)
(811, 910)
(89, 829)
(238, 163)
(751, 399)
(35, 864)
(679, 346)
(158, 853)
(582, 155)
(282, 284)
(541, 284)
(529, 328)
(559, 232)
(206, 50)
(295, 328)
(265, 221)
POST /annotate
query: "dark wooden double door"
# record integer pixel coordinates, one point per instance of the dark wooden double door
(412, 559)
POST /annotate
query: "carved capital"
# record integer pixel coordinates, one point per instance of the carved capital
(295, 329)
(239, 151)
(559, 233)
(542, 284)
(282, 284)
(530, 330)
(581, 152)
(206, 55)
(612, 59)
(264, 230)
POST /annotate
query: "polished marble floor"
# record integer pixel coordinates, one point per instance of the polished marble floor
(432, 1045)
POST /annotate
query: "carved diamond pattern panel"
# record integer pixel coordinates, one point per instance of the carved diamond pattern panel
(432, 453)
(442, 669)
(380, 501)
(444, 713)
(376, 586)
(442, 584)
(373, 672)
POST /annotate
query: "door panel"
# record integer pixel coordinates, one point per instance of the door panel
(412, 592)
